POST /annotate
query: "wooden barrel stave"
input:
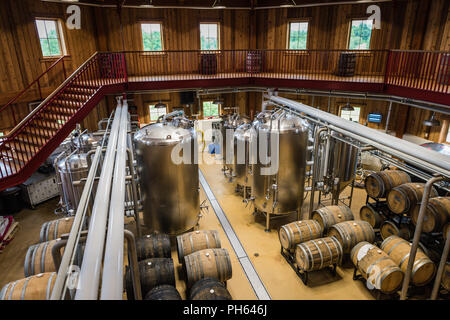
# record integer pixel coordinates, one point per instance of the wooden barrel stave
(377, 267)
(319, 253)
(398, 249)
(330, 215)
(52, 230)
(437, 214)
(39, 258)
(153, 246)
(37, 287)
(379, 184)
(195, 241)
(296, 232)
(163, 292)
(207, 263)
(209, 289)
(349, 233)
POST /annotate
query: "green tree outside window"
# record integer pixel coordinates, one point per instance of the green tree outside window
(360, 33)
(298, 35)
(210, 109)
(209, 36)
(49, 37)
(151, 36)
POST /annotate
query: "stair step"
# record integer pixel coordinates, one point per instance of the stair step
(39, 132)
(75, 96)
(52, 117)
(67, 103)
(32, 141)
(64, 111)
(86, 83)
(80, 90)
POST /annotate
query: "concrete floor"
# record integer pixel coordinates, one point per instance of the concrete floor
(263, 248)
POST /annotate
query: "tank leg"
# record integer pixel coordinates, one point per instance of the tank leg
(267, 222)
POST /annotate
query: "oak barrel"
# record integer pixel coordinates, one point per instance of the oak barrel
(153, 246)
(330, 215)
(209, 289)
(377, 267)
(346, 65)
(153, 272)
(37, 287)
(207, 263)
(196, 240)
(398, 249)
(372, 216)
(378, 184)
(403, 198)
(296, 232)
(437, 214)
(54, 229)
(445, 281)
(446, 230)
(163, 292)
(318, 253)
(389, 228)
(349, 233)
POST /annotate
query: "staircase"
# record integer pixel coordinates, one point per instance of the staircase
(31, 141)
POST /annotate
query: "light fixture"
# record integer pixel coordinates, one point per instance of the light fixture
(288, 4)
(218, 4)
(347, 107)
(218, 101)
(149, 5)
(160, 105)
(432, 122)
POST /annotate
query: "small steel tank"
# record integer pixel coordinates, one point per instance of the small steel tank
(230, 122)
(244, 154)
(282, 192)
(73, 168)
(169, 191)
(88, 141)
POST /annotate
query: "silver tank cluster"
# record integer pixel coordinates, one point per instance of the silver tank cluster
(168, 177)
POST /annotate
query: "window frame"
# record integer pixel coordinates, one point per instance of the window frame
(289, 33)
(219, 38)
(358, 106)
(349, 33)
(60, 36)
(146, 52)
(203, 106)
(153, 103)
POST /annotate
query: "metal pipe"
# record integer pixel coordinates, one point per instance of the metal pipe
(388, 116)
(437, 281)
(92, 260)
(417, 232)
(427, 158)
(76, 226)
(112, 277)
(134, 264)
(315, 166)
(135, 194)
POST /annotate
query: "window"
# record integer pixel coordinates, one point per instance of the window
(49, 32)
(351, 115)
(298, 35)
(209, 36)
(210, 109)
(448, 136)
(151, 36)
(155, 113)
(360, 32)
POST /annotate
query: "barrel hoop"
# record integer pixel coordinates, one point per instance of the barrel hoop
(317, 227)
(27, 261)
(191, 242)
(372, 265)
(381, 184)
(33, 258)
(287, 229)
(345, 235)
(218, 266)
(299, 232)
(329, 250)
(406, 197)
(339, 248)
(43, 231)
(312, 257)
(24, 289)
(207, 240)
(320, 253)
(180, 248)
(331, 219)
(56, 229)
(363, 229)
(47, 230)
(306, 256)
(12, 290)
(43, 257)
(385, 273)
(217, 239)
(200, 267)
(3, 291)
(419, 263)
(310, 230)
(385, 241)
(229, 264)
(394, 246)
(406, 256)
(49, 283)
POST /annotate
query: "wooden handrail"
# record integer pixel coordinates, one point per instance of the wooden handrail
(43, 103)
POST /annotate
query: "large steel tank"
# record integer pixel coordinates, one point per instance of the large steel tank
(169, 190)
(70, 169)
(244, 153)
(281, 192)
(230, 122)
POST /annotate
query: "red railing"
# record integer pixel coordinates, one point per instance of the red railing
(25, 141)
(51, 81)
(24, 145)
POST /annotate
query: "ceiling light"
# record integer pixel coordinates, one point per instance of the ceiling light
(218, 101)
(218, 5)
(288, 4)
(160, 105)
(347, 107)
(148, 5)
(432, 122)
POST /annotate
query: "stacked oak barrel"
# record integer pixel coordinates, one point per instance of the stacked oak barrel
(394, 210)
(39, 266)
(307, 246)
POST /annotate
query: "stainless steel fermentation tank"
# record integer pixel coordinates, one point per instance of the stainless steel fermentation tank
(281, 192)
(230, 122)
(244, 142)
(169, 190)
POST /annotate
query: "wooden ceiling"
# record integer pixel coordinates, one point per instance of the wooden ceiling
(209, 3)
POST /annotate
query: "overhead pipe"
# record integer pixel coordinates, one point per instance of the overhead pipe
(89, 279)
(112, 277)
(425, 158)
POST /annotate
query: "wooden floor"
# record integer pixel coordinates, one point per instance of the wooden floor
(262, 248)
